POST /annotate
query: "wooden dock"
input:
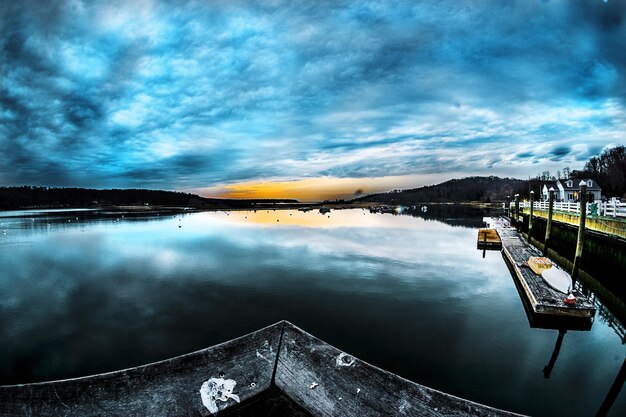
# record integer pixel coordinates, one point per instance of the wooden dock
(542, 299)
(488, 239)
(228, 379)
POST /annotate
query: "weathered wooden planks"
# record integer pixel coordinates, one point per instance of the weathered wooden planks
(546, 321)
(542, 299)
(269, 403)
(167, 388)
(319, 379)
(328, 382)
(488, 239)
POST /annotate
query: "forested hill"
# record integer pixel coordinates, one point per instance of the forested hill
(45, 197)
(485, 189)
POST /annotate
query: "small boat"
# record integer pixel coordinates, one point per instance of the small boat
(558, 279)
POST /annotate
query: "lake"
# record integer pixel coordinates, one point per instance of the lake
(85, 292)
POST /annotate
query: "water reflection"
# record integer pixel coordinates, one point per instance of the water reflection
(613, 393)
(547, 370)
(453, 214)
(408, 294)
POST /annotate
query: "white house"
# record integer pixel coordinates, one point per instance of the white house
(567, 190)
(545, 191)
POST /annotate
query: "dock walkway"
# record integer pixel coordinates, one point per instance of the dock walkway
(542, 298)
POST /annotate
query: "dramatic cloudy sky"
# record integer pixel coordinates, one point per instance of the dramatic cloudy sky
(238, 97)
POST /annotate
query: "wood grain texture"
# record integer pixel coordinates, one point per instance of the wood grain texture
(327, 382)
(542, 298)
(320, 380)
(488, 239)
(167, 388)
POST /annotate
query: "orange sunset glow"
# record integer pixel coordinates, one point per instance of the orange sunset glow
(317, 189)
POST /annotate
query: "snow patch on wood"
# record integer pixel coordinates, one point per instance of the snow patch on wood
(217, 389)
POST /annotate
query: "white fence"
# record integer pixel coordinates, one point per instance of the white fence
(611, 208)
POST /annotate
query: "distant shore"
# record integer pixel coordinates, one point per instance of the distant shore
(146, 209)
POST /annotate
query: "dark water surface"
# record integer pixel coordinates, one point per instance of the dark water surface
(410, 295)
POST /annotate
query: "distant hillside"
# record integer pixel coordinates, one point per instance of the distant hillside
(485, 189)
(45, 197)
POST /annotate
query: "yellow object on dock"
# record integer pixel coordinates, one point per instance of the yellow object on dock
(488, 239)
(544, 300)
(538, 264)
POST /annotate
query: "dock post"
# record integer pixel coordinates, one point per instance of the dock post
(484, 244)
(530, 217)
(581, 231)
(546, 240)
(507, 208)
(517, 211)
(613, 391)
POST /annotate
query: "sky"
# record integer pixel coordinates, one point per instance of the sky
(305, 99)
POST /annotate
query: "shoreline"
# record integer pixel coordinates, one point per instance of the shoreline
(264, 206)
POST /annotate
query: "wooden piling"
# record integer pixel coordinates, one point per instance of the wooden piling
(484, 244)
(546, 240)
(530, 217)
(507, 208)
(613, 392)
(517, 211)
(581, 231)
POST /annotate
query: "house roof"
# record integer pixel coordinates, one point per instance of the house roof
(549, 184)
(576, 187)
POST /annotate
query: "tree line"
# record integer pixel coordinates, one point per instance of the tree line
(50, 197)
(609, 170)
(484, 189)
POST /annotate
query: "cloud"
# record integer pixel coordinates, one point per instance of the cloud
(184, 95)
(561, 151)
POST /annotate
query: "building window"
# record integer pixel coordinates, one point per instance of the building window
(570, 183)
(589, 183)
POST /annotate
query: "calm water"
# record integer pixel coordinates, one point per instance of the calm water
(410, 295)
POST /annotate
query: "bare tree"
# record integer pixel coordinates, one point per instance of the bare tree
(566, 172)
